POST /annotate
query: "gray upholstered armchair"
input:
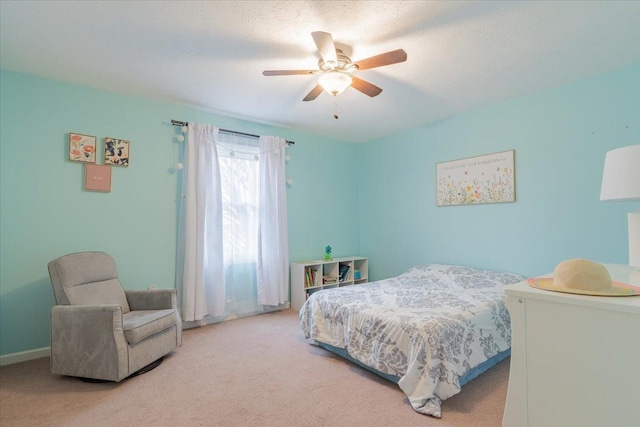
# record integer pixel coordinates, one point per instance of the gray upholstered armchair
(99, 330)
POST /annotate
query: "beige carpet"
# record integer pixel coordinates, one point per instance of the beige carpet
(256, 371)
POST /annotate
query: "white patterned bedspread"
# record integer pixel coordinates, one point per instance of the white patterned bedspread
(428, 326)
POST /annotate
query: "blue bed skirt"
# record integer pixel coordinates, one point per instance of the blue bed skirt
(468, 376)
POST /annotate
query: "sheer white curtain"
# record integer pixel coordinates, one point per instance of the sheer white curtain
(273, 236)
(233, 240)
(200, 260)
(239, 168)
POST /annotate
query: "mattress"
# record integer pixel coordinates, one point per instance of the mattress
(428, 327)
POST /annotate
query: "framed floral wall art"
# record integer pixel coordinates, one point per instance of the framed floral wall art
(82, 148)
(116, 152)
(476, 180)
(97, 178)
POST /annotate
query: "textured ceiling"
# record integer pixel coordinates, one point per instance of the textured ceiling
(461, 55)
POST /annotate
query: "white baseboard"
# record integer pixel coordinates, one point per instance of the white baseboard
(23, 356)
(211, 320)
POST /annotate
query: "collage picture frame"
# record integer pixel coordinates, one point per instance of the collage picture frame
(82, 148)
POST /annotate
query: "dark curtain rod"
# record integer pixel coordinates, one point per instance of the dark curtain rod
(179, 123)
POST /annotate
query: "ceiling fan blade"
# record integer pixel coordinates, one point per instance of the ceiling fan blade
(313, 94)
(325, 45)
(286, 72)
(383, 59)
(365, 87)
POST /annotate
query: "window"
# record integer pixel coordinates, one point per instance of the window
(233, 252)
(239, 169)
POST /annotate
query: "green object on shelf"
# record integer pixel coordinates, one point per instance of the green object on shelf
(327, 252)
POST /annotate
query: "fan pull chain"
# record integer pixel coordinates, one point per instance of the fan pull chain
(335, 107)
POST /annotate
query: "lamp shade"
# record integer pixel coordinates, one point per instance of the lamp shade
(334, 82)
(621, 176)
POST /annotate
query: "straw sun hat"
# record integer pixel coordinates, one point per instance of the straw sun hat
(584, 277)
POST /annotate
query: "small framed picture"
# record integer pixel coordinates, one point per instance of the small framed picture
(82, 148)
(116, 152)
(97, 178)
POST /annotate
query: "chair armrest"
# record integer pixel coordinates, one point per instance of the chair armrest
(87, 317)
(88, 341)
(153, 299)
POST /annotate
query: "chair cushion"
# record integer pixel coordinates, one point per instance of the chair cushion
(87, 278)
(99, 293)
(141, 324)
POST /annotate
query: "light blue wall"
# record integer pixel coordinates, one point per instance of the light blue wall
(45, 213)
(375, 199)
(560, 137)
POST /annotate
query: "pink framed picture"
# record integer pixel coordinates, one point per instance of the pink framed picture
(82, 148)
(97, 178)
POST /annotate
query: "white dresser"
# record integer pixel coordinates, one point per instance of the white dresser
(575, 360)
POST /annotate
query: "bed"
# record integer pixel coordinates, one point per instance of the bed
(430, 329)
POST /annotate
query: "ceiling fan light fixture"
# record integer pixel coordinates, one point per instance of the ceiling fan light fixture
(334, 82)
(335, 68)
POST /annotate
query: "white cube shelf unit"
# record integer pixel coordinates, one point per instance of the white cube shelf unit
(308, 277)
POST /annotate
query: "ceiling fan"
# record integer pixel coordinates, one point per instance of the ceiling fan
(336, 69)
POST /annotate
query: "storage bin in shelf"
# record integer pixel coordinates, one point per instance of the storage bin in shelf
(361, 270)
(308, 277)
